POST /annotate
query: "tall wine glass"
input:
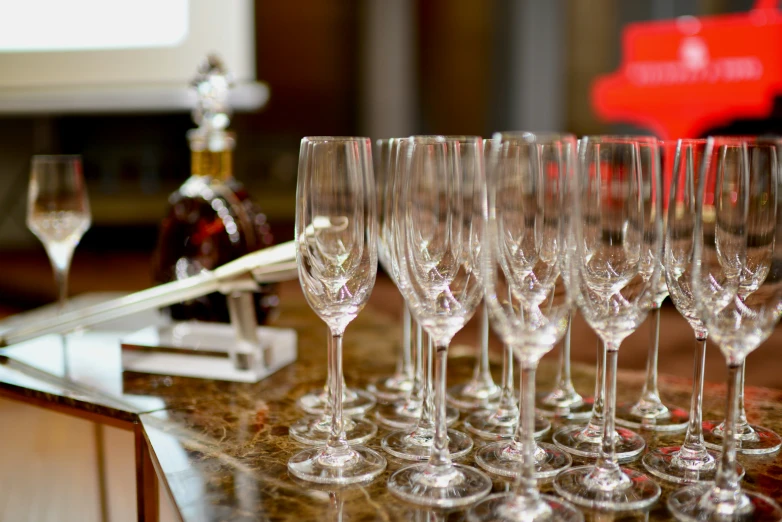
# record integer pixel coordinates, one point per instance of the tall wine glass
(400, 384)
(439, 230)
(414, 413)
(501, 420)
(737, 286)
(524, 282)
(586, 441)
(526, 292)
(752, 439)
(692, 461)
(615, 265)
(58, 212)
(336, 252)
(648, 411)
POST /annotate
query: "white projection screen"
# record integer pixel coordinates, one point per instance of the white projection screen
(118, 55)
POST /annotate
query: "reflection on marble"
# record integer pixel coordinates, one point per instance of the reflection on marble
(223, 446)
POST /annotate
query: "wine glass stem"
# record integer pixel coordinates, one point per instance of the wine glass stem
(564, 380)
(741, 417)
(507, 401)
(407, 358)
(526, 485)
(650, 392)
(693, 446)
(606, 461)
(337, 443)
(727, 488)
(418, 392)
(595, 425)
(440, 456)
(61, 272)
(482, 372)
(428, 406)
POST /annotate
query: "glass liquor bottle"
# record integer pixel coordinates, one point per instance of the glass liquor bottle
(211, 219)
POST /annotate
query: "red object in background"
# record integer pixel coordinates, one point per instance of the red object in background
(679, 78)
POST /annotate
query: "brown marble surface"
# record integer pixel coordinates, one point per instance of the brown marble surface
(222, 447)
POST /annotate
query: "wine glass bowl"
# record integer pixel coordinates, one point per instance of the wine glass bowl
(58, 211)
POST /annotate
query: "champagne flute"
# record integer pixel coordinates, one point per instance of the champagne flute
(416, 410)
(336, 253)
(58, 212)
(525, 288)
(586, 440)
(649, 412)
(752, 439)
(527, 235)
(440, 215)
(501, 421)
(737, 288)
(615, 270)
(692, 461)
(401, 383)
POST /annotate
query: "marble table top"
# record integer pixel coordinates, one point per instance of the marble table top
(222, 447)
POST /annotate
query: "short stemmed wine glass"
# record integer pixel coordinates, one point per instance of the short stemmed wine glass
(439, 231)
(58, 212)
(649, 411)
(529, 305)
(400, 384)
(737, 288)
(336, 253)
(692, 461)
(615, 267)
(526, 205)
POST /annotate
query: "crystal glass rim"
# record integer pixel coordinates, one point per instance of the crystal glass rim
(52, 158)
(620, 139)
(443, 138)
(534, 137)
(335, 139)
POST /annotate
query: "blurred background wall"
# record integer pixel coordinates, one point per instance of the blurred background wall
(379, 68)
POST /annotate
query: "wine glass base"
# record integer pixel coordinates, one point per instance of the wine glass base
(662, 463)
(636, 493)
(448, 486)
(315, 465)
(688, 504)
(567, 411)
(508, 507)
(406, 415)
(505, 458)
(315, 430)
(488, 425)
(404, 445)
(673, 418)
(393, 388)
(472, 395)
(628, 443)
(762, 442)
(355, 402)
